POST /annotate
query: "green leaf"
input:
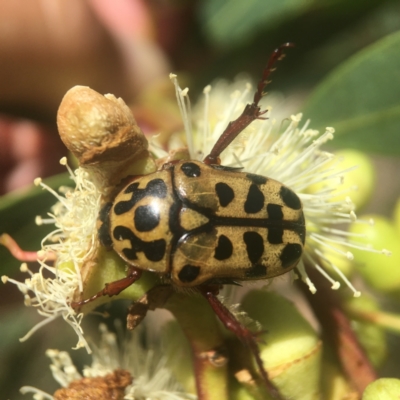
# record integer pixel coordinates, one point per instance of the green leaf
(361, 99)
(230, 22)
(17, 218)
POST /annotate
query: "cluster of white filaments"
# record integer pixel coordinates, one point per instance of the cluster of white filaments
(152, 379)
(291, 155)
(63, 252)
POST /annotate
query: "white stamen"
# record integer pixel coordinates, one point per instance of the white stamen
(38, 394)
(335, 284)
(206, 125)
(305, 278)
(184, 107)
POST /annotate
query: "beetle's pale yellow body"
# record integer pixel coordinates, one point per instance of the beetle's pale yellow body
(196, 224)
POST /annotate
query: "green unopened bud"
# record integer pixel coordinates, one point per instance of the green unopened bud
(382, 273)
(383, 389)
(290, 348)
(334, 384)
(357, 183)
(109, 267)
(344, 264)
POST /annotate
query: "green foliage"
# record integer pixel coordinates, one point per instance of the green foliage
(228, 23)
(360, 99)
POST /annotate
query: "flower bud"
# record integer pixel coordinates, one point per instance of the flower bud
(357, 183)
(382, 273)
(290, 348)
(101, 132)
(382, 389)
(334, 384)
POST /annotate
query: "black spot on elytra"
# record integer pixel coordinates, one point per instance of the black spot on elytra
(191, 170)
(153, 250)
(146, 218)
(225, 193)
(154, 188)
(254, 246)
(290, 198)
(257, 179)
(256, 271)
(188, 273)
(275, 231)
(104, 230)
(224, 248)
(290, 254)
(274, 211)
(275, 235)
(301, 228)
(255, 200)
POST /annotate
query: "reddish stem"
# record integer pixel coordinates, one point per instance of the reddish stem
(339, 334)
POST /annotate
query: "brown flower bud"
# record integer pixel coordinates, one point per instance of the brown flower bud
(101, 132)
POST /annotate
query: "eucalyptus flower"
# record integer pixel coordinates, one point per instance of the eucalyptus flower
(289, 152)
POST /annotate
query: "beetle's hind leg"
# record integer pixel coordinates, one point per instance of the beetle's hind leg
(113, 288)
(246, 335)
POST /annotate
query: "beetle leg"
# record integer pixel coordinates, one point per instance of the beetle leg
(112, 288)
(156, 297)
(250, 113)
(231, 323)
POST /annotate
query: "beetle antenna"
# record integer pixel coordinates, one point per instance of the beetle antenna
(277, 55)
(250, 113)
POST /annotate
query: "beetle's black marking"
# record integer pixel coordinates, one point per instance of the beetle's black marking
(274, 211)
(225, 193)
(255, 200)
(257, 179)
(290, 254)
(256, 271)
(153, 250)
(188, 273)
(191, 170)
(146, 218)
(275, 231)
(254, 246)
(301, 228)
(290, 198)
(173, 216)
(155, 188)
(104, 230)
(275, 235)
(224, 248)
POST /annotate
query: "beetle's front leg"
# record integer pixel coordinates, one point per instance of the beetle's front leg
(113, 288)
(154, 298)
(246, 335)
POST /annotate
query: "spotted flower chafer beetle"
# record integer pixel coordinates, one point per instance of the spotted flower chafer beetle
(202, 225)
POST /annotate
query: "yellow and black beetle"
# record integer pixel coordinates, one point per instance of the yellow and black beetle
(201, 225)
